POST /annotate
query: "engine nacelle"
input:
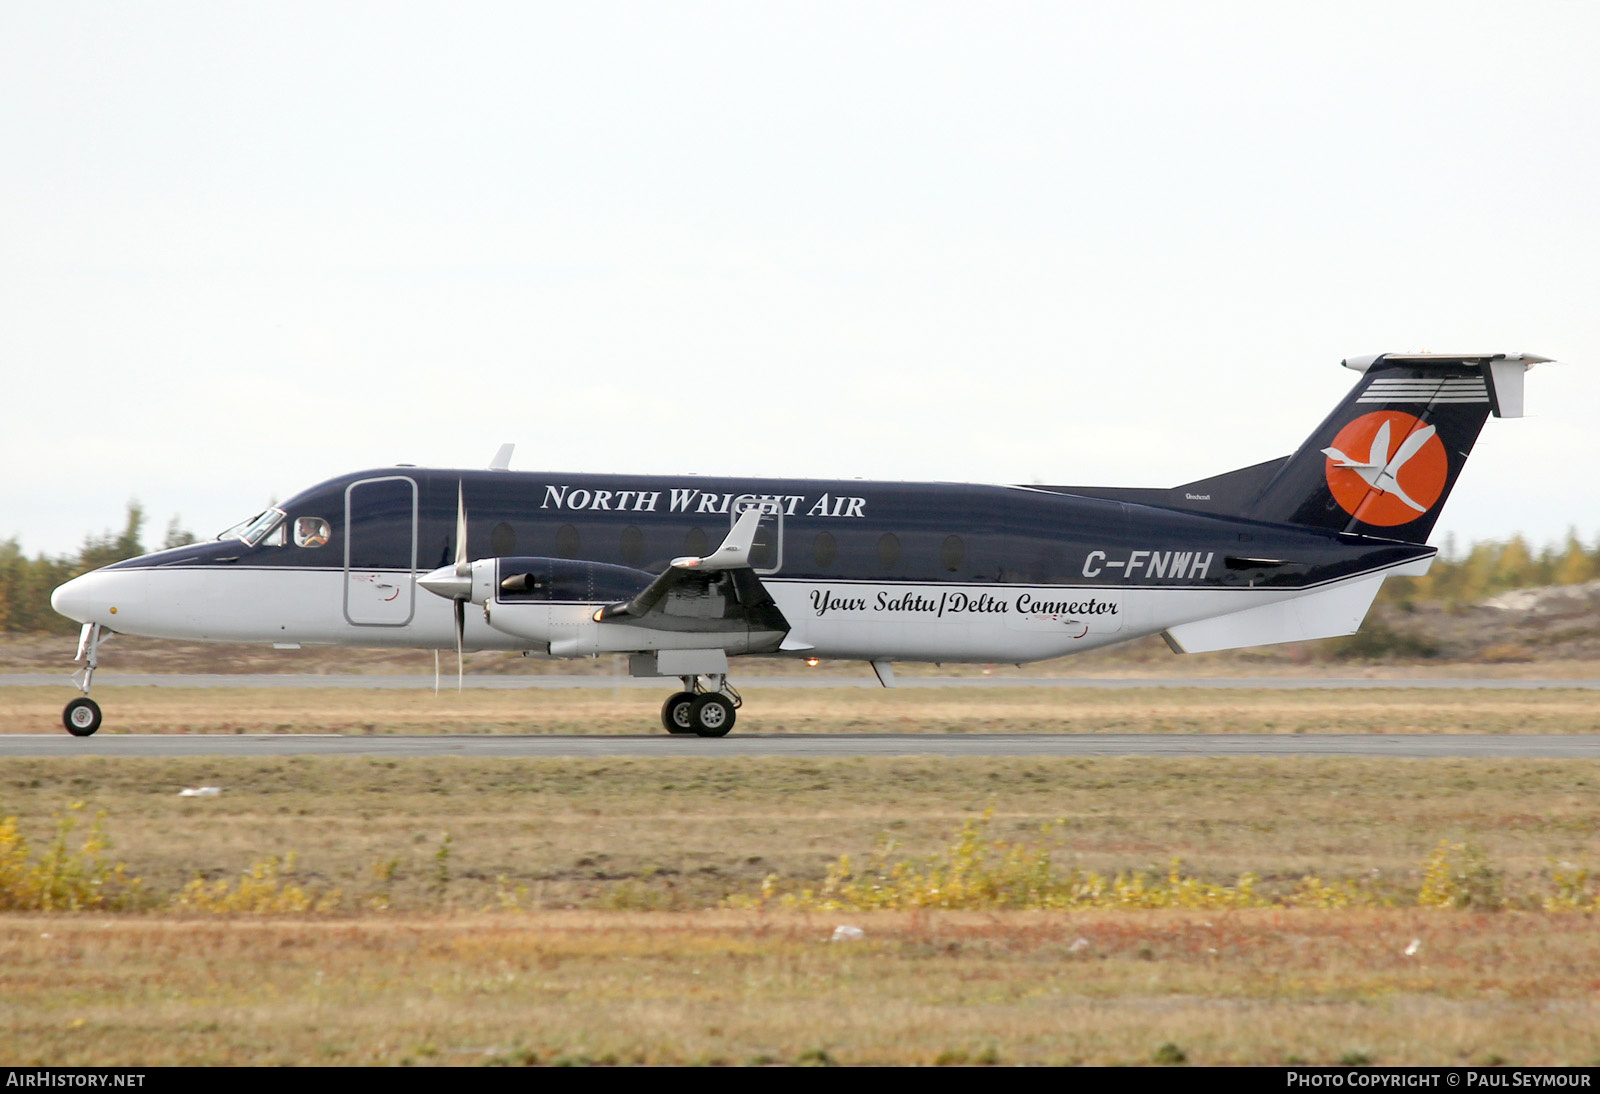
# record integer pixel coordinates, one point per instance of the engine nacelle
(547, 600)
(531, 580)
(552, 602)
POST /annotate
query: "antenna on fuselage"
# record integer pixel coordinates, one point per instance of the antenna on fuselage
(502, 458)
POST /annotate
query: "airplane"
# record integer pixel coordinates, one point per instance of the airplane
(682, 573)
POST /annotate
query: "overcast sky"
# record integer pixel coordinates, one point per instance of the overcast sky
(246, 247)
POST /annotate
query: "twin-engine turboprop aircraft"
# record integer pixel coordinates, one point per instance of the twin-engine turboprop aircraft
(682, 573)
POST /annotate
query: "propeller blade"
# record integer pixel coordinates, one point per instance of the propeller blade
(463, 567)
(461, 630)
(436, 673)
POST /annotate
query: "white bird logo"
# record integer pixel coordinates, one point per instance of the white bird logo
(1378, 470)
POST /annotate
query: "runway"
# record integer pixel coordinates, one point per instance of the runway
(559, 682)
(1438, 746)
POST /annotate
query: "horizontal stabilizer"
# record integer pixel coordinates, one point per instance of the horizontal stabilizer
(1329, 613)
(1503, 372)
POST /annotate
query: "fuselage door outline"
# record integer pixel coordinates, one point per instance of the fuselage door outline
(378, 597)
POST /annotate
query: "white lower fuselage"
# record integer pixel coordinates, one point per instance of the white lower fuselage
(829, 619)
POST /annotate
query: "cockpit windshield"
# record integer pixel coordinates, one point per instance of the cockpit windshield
(256, 529)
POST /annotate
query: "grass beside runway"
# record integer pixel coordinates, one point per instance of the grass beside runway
(576, 910)
(457, 833)
(807, 711)
(734, 988)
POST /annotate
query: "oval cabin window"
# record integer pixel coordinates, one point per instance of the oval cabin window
(503, 541)
(567, 542)
(953, 553)
(632, 545)
(824, 549)
(889, 551)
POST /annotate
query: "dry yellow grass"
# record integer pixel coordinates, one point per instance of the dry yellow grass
(573, 842)
(791, 710)
(1105, 988)
(688, 832)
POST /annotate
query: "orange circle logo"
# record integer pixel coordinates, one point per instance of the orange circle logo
(1387, 468)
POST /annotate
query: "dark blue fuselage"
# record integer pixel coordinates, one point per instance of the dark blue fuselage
(835, 531)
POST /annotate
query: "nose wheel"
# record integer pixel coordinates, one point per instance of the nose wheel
(81, 717)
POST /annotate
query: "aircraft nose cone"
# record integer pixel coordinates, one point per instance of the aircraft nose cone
(73, 599)
(447, 583)
(102, 596)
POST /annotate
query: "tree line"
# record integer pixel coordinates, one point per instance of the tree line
(1458, 577)
(26, 583)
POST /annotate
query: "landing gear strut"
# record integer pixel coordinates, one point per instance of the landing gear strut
(82, 715)
(706, 707)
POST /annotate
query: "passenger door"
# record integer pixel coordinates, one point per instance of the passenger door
(380, 551)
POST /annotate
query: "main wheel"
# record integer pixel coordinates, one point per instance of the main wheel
(711, 715)
(81, 717)
(675, 712)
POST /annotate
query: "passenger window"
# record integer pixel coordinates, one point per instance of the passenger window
(695, 545)
(952, 553)
(503, 541)
(889, 551)
(824, 549)
(567, 542)
(310, 532)
(632, 545)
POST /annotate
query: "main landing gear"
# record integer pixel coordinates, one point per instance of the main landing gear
(82, 715)
(701, 710)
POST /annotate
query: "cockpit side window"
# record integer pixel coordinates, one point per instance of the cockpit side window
(234, 531)
(257, 528)
(310, 532)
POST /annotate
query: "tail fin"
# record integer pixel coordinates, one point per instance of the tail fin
(1383, 463)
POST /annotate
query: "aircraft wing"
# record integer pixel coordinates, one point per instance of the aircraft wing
(717, 592)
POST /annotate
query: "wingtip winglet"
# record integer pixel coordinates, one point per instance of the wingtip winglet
(734, 552)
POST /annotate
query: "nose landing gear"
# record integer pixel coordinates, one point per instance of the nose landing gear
(701, 710)
(82, 715)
